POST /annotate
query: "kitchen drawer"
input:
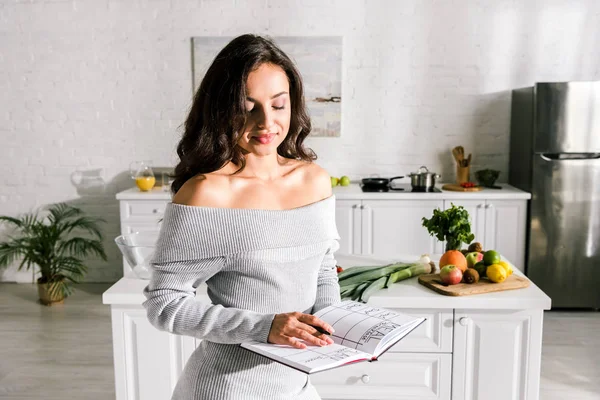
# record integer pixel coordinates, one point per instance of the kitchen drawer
(142, 209)
(434, 335)
(396, 376)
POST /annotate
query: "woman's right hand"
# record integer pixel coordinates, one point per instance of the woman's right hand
(289, 327)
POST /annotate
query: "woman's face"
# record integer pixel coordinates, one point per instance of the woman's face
(268, 110)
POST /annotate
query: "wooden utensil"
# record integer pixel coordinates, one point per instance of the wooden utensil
(468, 161)
(457, 155)
(433, 282)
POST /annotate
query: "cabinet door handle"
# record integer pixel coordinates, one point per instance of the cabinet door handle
(464, 321)
(155, 211)
(365, 378)
(362, 207)
(489, 205)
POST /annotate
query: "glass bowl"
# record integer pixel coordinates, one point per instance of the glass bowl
(138, 249)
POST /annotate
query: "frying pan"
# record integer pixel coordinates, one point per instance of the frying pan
(379, 181)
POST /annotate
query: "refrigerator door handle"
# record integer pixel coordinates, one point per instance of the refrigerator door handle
(569, 156)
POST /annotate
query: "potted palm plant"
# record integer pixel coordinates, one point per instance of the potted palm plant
(50, 244)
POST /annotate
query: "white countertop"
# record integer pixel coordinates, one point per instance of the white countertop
(354, 192)
(404, 294)
(508, 192)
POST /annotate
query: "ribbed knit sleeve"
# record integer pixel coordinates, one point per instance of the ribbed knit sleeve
(328, 288)
(171, 305)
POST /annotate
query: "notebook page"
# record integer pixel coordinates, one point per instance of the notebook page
(360, 326)
(396, 336)
(312, 359)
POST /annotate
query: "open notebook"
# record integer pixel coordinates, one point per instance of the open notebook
(362, 333)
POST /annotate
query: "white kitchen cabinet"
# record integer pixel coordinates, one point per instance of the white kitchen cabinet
(499, 225)
(497, 354)
(385, 227)
(348, 221)
(148, 362)
(393, 227)
(432, 336)
(505, 229)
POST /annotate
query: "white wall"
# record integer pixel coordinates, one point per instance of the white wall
(90, 85)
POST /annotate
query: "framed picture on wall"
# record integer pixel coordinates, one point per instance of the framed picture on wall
(319, 60)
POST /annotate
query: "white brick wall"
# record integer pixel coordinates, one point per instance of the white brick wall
(90, 84)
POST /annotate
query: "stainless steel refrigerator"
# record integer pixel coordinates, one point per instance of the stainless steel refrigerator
(555, 155)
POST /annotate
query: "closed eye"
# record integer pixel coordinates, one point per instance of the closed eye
(253, 109)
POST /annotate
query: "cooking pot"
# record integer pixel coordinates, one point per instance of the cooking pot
(379, 183)
(423, 179)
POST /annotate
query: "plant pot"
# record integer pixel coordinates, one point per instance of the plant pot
(453, 245)
(46, 298)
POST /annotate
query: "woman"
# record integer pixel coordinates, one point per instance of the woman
(254, 218)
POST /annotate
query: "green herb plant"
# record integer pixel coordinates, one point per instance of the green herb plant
(46, 243)
(451, 225)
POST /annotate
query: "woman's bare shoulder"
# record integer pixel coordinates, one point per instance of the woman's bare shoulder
(204, 190)
(316, 180)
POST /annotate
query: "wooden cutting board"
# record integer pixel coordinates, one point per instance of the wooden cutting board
(433, 281)
(457, 188)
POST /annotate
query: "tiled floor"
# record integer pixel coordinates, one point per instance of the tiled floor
(571, 356)
(65, 351)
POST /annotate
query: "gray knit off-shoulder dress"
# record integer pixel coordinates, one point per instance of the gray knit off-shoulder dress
(256, 263)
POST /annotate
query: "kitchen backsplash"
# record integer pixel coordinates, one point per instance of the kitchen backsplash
(103, 83)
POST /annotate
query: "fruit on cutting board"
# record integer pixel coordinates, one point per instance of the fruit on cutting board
(471, 276)
(481, 268)
(496, 273)
(475, 246)
(451, 274)
(454, 257)
(473, 258)
(491, 257)
(507, 267)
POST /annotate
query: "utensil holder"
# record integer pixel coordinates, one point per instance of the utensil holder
(462, 174)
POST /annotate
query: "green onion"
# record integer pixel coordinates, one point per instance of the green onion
(359, 283)
(373, 287)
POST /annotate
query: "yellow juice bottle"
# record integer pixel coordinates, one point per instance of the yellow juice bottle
(145, 183)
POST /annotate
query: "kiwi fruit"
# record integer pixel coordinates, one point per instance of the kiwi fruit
(471, 276)
(475, 247)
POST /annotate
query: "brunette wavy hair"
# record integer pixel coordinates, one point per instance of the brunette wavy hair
(218, 112)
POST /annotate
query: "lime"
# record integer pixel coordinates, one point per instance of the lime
(491, 257)
(334, 181)
(481, 268)
(344, 181)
